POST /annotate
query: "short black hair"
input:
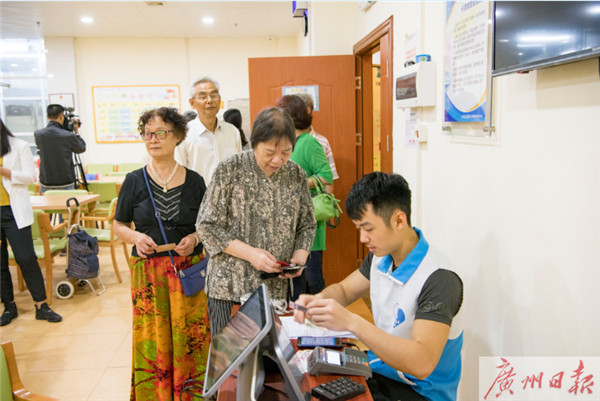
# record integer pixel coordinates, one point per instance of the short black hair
(234, 117)
(385, 192)
(190, 115)
(272, 123)
(168, 115)
(297, 109)
(54, 111)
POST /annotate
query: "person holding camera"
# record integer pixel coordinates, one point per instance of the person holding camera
(56, 147)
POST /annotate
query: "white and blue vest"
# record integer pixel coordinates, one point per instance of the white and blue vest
(394, 296)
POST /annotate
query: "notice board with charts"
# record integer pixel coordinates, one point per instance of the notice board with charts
(117, 109)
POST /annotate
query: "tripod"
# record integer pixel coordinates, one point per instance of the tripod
(80, 180)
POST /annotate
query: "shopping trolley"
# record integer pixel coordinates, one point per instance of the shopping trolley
(82, 258)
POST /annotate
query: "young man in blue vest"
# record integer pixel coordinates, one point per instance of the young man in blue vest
(416, 341)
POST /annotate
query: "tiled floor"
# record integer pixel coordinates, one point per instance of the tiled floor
(87, 356)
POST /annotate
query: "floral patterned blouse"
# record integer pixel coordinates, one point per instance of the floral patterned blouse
(275, 214)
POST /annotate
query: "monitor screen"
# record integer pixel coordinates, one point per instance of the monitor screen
(238, 339)
(279, 336)
(537, 34)
(281, 350)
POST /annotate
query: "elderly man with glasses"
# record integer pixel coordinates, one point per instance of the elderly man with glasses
(209, 140)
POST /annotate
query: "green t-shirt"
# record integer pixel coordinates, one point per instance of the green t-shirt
(308, 154)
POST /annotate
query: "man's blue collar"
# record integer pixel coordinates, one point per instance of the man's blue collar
(409, 265)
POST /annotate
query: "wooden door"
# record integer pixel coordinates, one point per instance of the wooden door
(377, 41)
(334, 119)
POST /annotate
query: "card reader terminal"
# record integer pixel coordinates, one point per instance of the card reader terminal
(347, 362)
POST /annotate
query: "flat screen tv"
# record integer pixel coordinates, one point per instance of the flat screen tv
(536, 34)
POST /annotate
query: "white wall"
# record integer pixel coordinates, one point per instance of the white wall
(60, 66)
(125, 61)
(519, 218)
(332, 25)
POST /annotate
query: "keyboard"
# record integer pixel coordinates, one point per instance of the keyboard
(338, 390)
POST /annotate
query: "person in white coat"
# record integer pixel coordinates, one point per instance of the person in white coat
(16, 217)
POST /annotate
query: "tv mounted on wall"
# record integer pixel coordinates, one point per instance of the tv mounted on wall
(536, 34)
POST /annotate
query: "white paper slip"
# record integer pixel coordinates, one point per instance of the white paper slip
(294, 330)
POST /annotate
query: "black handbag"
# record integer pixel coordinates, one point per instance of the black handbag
(192, 279)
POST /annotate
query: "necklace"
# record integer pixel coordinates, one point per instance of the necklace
(166, 182)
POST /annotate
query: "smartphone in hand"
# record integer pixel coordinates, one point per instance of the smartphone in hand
(287, 269)
(325, 342)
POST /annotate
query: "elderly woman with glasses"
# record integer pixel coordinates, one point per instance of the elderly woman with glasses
(171, 334)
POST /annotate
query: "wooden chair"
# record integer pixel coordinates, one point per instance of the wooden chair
(102, 168)
(107, 237)
(107, 191)
(11, 387)
(35, 188)
(128, 167)
(45, 249)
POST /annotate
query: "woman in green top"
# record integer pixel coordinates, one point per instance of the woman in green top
(309, 154)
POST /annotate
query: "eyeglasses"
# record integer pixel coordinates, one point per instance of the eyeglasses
(160, 134)
(203, 97)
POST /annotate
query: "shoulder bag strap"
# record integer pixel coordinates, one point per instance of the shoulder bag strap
(157, 214)
(318, 184)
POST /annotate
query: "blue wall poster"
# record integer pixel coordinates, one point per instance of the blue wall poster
(465, 60)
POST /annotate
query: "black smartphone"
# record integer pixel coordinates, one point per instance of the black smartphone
(291, 269)
(325, 342)
(287, 269)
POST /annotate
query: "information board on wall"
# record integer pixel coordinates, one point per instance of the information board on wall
(117, 109)
(465, 60)
(312, 90)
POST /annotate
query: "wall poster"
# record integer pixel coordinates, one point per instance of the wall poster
(466, 60)
(118, 108)
(312, 90)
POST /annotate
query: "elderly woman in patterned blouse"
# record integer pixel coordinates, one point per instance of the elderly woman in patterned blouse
(257, 211)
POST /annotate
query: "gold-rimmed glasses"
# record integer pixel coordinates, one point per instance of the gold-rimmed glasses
(160, 134)
(203, 96)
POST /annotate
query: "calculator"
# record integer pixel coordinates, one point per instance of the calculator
(338, 390)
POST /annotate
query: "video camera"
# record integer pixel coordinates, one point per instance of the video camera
(71, 119)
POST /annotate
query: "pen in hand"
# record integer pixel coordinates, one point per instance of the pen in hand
(303, 309)
(299, 307)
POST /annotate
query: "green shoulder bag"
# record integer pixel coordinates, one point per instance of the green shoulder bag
(326, 205)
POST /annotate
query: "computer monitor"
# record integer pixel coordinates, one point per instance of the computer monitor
(280, 349)
(253, 332)
(272, 354)
(238, 340)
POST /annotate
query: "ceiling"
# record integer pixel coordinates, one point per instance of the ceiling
(172, 19)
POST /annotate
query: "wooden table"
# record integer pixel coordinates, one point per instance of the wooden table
(227, 391)
(60, 202)
(117, 179)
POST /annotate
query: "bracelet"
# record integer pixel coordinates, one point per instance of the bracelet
(197, 239)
